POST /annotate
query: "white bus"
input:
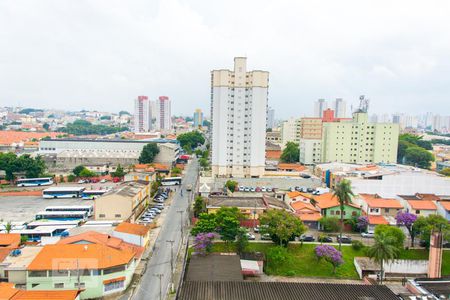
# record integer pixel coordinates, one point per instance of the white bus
(62, 215)
(92, 194)
(171, 181)
(34, 181)
(47, 223)
(88, 208)
(63, 192)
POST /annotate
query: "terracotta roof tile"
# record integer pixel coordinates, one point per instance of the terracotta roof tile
(132, 228)
(295, 167)
(7, 290)
(374, 201)
(73, 256)
(46, 295)
(309, 216)
(377, 220)
(445, 205)
(7, 137)
(300, 205)
(422, 204)
(328, 200)
(274, 154)
(10, 240)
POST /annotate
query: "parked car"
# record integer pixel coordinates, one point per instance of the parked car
(325, 239)
(305, 176)
(116, 179)
(250, 236)
(309, 190)
(256, 229)
(252, 189)
(103, 181)
(306, 238)
(263, 189)
(246, 189)
(269, 189)
(345, 239)
(159, 206)
(266, 237)
(81, 181)
(258, 189)
(368, 234)
(292, 189)
(241, 188)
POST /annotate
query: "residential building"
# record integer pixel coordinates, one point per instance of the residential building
(250, 207)
(358, 141)
(8, 291)
(380, 210)
(142, 114)
(290, 131)
(163, 114)
(443, 208)
(339, 107)
(97, 269)
(198, 118)
(238, 117)
(270, 118)
(319, 106)
(13, 268)
(420, 204)
(330, 207)
(273, 137)
(125, 202)
(133, 233)
(441, 165)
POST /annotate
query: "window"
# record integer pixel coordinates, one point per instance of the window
(82, 285)
(59, 285)
(59, 273)
(101, 215)
(117, 215)
(114, 285)
(354, 213)
(338, 212)
(114, 270)
(34, 285)
(386, 210)
(332, 212)
(84, 272)
(417, 212)
(37, 274)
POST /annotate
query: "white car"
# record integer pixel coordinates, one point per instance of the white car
(81, 181)
(250, 236)
(103, 181)
(241, 189)
(369, 234)
(252, 189)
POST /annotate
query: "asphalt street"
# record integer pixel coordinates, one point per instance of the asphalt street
(158, 273)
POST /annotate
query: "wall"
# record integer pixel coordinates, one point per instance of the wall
(129, 238)
(112, 205)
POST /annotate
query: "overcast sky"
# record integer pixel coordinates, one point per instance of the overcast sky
(101, 54)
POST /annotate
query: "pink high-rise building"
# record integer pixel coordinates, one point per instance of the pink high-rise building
(142, 114)
(163, 114)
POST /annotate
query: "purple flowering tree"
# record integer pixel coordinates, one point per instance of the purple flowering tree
(203, 243)
(407, 219)
(330, 254)
(362, 223)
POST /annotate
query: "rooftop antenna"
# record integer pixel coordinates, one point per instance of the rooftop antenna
(363, 104)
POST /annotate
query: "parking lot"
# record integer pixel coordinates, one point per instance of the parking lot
(280, 183)
(24, 208)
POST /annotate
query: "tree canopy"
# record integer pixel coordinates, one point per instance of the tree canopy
(413, 150)
(82, 127)
(11, 163)
(291, 154)
(191, 140)
(281, 225)
(231, 185)
(148, 153)
(418, 156)
(397, 235)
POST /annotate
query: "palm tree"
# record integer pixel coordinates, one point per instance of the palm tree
(343, 191)
(383, 249)
(8, 227)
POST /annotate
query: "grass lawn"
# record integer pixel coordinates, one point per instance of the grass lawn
(301, 260)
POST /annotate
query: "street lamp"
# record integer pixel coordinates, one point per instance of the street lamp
(160, 284)
(181, 224)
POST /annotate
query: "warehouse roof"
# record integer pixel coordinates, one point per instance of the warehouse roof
(236, 201)
(215, 267)
(246, 290)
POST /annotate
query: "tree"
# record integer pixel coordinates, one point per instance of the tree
(203, 243)
(241, 239)
(206, 223)
(148, 153)
(417, 156)
(155, 186)
(329, 224)
(281, 225)
(330, 254)
(227, 228)
(82, 127)
(120, 172)
(11, 163)
(191, 140)
(445, 172)
(343, 192)
(362, 223)
(203, 162)
(46, 126)
(277, 255)
(231, 185)
(425, 225)
(61, 178)
(87, 173)
(77, 170)
(401, 150)
(397, 235)
(8, 227)
(123, 112)
(199, 206)
(175, 171)
(407, 219)
(291, 154)
(383, 249)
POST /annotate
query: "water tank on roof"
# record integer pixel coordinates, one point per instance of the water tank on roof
(16, 252)
(64, 234)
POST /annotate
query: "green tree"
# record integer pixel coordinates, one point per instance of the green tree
(445, 172)
(343, 192)
(206, 223)
(425, 225)
(175, 171)
(227, 228)
(120, 172)
(191, 140)
(82, 127)
(398, 237)
(87, 173)
(291, 154)
(231, 185)
(61, 178)
(155, 186)
(281, 225)
(199, 206)
(123, 112)
(417, 156)
(277, 256)
(46, 126)
(384, 249)
(401, 150)
(241, 239)
(203, 162)
(224, 212)
(11, 163)
(77, 170)
(148, 153)
(329, 224)
(8, 227)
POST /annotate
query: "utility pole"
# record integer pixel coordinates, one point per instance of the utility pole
(171, 263)
(181, 224)
(160, 284)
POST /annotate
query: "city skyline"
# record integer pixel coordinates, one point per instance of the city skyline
(123, 50)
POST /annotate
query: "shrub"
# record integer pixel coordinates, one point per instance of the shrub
(71, 178)
(330, 224)
(357, 245)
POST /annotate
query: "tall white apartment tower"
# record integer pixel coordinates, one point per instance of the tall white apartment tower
(319, 106)
(238, 116)
(163, 114)
(339, 106)
(142, 115)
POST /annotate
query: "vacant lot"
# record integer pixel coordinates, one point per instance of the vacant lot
(301, 260)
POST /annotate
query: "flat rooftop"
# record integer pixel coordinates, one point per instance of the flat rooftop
(21, 261)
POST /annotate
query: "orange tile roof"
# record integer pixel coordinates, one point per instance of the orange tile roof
(374, 201)
(7, 137)
(293, 194)
(141, 166)
(422, 204)
(82, 256)
(367, 168)
(295, 167)
(428, 196)
(377, 220)
(4, 252)
(300, 205)
(328, 200)
(445, 205)
(10, 240)
(275, 154)
(46, 295)
(7, 290)
(122, 278)
(160, 167)
(309, 216)
(132, 228)
(103, 239)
